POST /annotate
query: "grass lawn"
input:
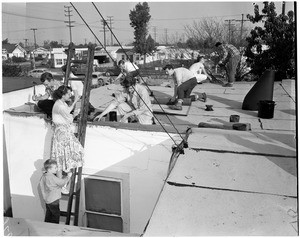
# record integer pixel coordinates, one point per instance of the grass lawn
(10, 84)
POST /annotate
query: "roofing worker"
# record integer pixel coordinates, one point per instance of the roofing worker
(184, 83)
(231, 58)
(128, 69)
(199, 70)
(45, 102)
(133, 103)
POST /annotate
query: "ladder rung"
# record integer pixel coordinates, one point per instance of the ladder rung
(64, 214)
(79, 61)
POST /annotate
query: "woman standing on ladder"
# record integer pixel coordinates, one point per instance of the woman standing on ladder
(66, 149)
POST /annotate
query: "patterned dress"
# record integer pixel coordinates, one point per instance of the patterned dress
(66, 149)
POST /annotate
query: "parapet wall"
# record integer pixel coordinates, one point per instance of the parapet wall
(142, 155)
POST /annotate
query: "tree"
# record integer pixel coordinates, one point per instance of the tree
(139, 18)
(5, 41)
(55, 44)
(46, 44)
(204, 33)
(150, 44)
(273, 45)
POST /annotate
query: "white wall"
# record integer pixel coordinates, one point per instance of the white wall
(143, 155)
(18, 98)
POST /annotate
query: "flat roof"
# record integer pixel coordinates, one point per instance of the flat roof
(231, 182)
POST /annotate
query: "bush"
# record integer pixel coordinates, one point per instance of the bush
(18, 59)
(11, 70)
(38, 58)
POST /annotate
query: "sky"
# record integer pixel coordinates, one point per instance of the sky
(168, 19)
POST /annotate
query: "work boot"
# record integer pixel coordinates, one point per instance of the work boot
(177, 106)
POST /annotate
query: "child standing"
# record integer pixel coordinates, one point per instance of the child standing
(51, 190)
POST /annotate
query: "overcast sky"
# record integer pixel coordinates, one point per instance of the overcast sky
(167, 18)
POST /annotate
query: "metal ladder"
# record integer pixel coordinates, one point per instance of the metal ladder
(77, 173)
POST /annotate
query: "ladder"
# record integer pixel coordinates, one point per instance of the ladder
(76, 175)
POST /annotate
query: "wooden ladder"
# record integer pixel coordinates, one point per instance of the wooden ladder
(77, 173)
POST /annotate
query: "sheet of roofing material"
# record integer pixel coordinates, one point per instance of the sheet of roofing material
(237, 172)
(194, 211)
(262, 143)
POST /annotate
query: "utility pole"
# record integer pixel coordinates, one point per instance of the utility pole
(104, 22)
(34, 29)
(166, 34)
(242, 27)
(25, 42)
(229, 28)
(110, 25)
(154, 29)
(32, 55)
(283, 8)
(69, 21)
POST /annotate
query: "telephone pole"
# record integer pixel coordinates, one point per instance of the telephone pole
(25, 42)
(110, 26)
(154, 30)
(229, 28)
(104, 23)
(34, 29)
(166, 34)
(283, 8)
(242, 27)
(69, 21)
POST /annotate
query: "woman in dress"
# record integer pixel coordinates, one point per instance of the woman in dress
(66, 149)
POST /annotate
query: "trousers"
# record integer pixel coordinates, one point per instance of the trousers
(52, 212)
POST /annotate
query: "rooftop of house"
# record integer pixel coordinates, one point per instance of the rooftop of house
(227, 182)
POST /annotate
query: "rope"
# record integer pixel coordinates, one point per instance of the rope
(138, 73)
(124, 75)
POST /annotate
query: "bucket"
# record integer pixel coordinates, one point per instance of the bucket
(266, 109)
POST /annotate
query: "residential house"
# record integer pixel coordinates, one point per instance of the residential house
(41, 52)
(10, 50)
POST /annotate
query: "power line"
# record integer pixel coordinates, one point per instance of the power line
(40, 18)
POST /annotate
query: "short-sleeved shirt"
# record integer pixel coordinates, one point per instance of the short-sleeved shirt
(130, 67)
(196, 68)
(182, 75)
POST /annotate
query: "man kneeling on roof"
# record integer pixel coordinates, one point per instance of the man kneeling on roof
(184, 83)
(134, 103)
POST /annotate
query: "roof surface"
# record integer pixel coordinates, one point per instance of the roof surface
(233, 182)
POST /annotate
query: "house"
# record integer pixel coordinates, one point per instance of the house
(127, 54)
(10, 50)
(40, 52)
(58, 57)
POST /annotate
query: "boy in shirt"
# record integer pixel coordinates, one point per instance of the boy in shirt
(51, 190)
(129, 69)
(45, 102)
